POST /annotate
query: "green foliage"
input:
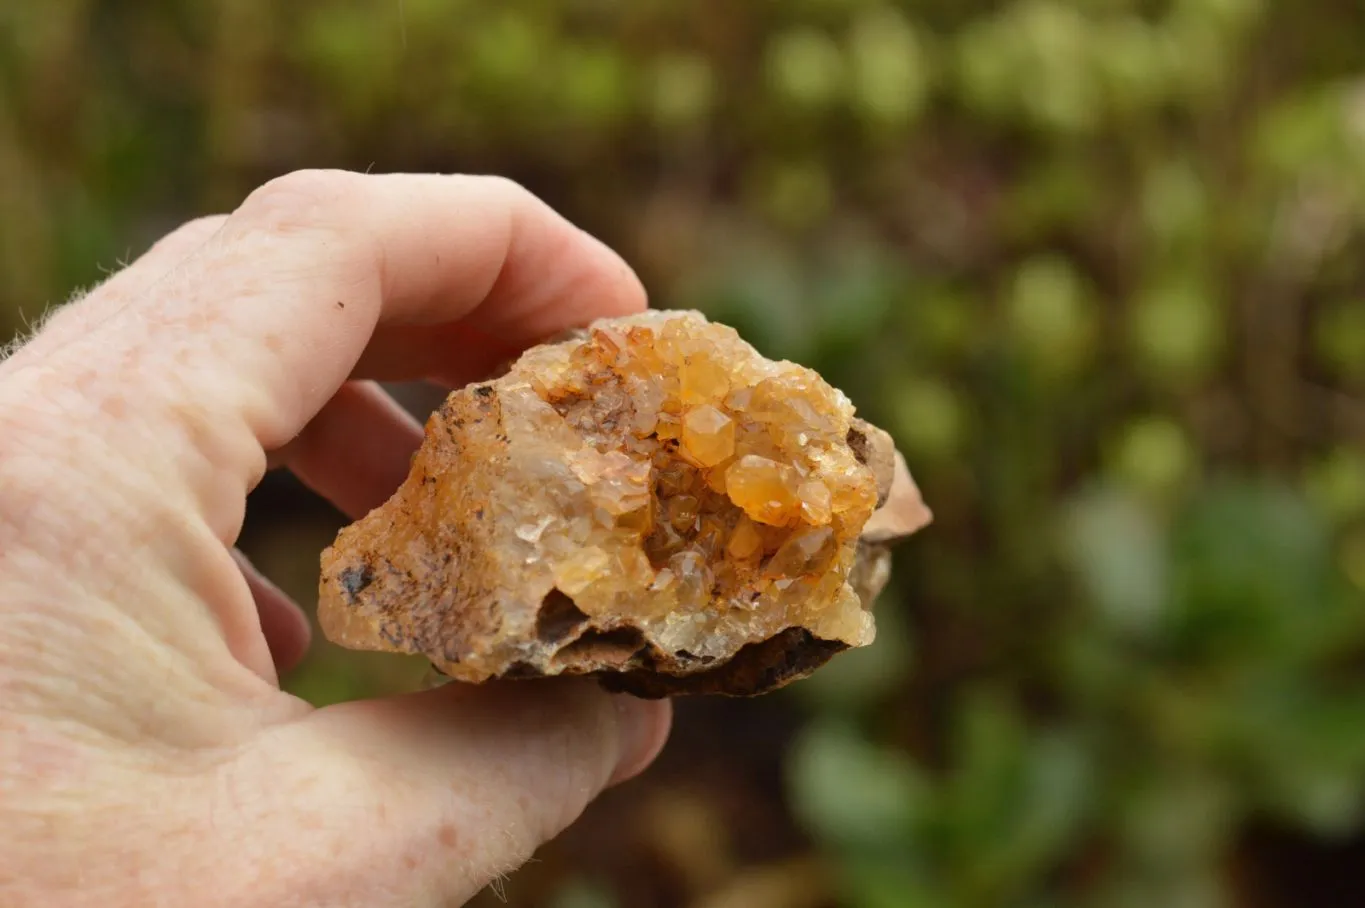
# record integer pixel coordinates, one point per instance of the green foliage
(1096, 264)
(863, 798)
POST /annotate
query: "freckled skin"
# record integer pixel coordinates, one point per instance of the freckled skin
(448, 837)
(115, 406)
(147, 753)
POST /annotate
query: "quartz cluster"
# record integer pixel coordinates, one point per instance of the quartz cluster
(649, 501)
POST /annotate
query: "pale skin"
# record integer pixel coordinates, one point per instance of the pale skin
(147, 754)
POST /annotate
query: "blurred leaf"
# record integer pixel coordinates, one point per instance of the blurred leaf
(683, 90)
(928, 418)
(1336, 484)
(889, 68)
(945, 320)
(1251, 566)
(1177, 329)
(1153, 455)
(1174, 204)
(1189, 887)
(1306, 749)
(1199, 56)
(1014, 802)
(338, 43)
(987, 755)
(889, 884)
(1118, 549)
(1312, 135)
(1032, 62)
(1049, 311)
(1130, 60)
(1174, 818)
(1340, 337)
(1352, 558)
(796, 194)
(595, 84)
(851, 793)
(1061, 191)
(853, 301)
(806, 66)
(1228, 15)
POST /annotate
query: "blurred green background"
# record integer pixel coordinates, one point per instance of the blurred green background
(1098, 265)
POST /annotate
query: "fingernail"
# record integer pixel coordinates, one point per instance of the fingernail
(643, 729)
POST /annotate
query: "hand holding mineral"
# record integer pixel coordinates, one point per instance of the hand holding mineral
(147, 753)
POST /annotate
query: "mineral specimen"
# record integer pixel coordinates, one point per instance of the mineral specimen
(650, 502)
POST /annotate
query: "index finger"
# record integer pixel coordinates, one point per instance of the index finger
(315, 262)
(233, 351)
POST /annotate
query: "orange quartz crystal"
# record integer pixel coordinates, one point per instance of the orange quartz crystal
(651, 502)
(709, 435)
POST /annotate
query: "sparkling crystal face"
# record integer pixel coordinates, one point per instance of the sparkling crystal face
(655, 491)
(746, 497)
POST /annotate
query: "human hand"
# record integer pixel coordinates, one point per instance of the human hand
(147, 754)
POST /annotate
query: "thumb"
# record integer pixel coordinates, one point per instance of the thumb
(426, 798)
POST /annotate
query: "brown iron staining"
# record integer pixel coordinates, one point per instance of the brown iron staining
(650, 502)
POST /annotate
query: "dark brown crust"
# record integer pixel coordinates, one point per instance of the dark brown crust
(756, 669)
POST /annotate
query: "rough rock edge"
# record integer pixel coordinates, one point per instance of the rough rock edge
(623, 661)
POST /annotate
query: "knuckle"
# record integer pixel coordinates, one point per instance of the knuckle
(301, 200)
(509, 191)
(192, 233)
(182, 241)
